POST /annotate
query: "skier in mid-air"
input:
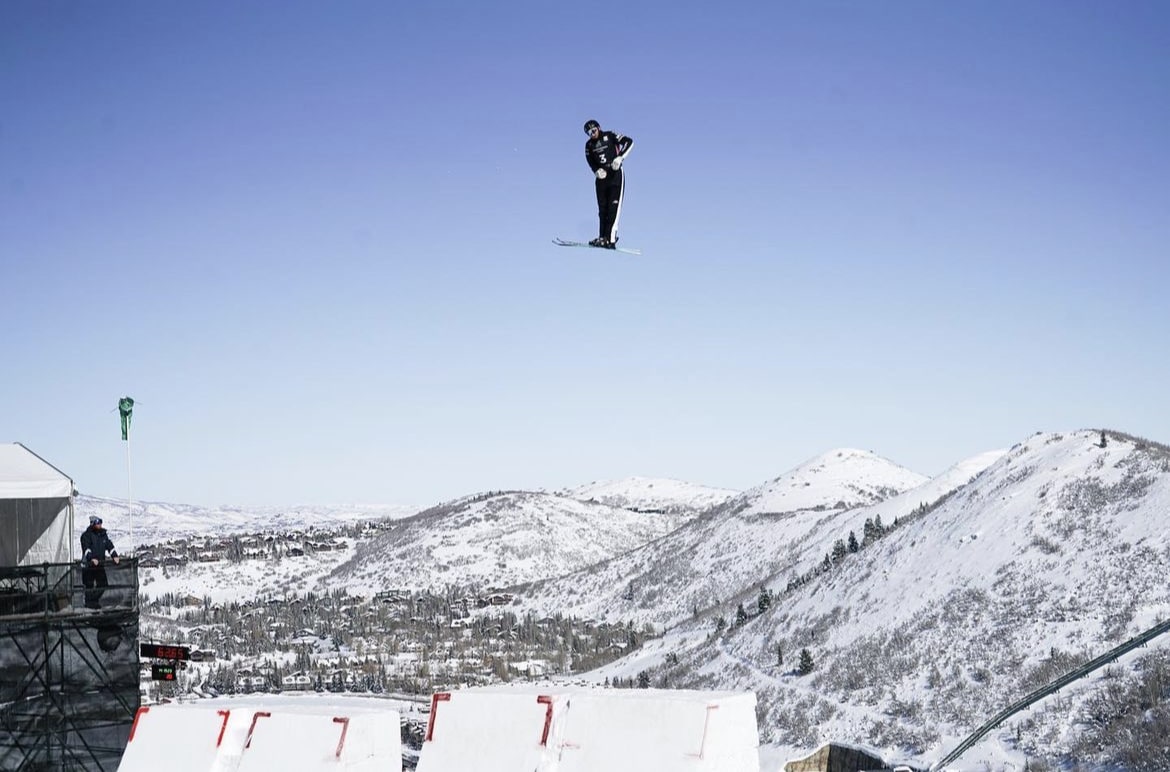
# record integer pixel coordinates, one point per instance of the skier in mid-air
(605, 151)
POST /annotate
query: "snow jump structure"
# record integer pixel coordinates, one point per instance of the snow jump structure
(180, 738)
(567, 730)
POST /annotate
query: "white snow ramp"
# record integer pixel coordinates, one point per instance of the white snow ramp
(586, 730)
(197, 739)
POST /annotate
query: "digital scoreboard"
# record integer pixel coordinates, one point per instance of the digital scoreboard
(162, 672)
(164, 651)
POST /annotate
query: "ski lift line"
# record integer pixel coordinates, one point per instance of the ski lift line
(1025, 702)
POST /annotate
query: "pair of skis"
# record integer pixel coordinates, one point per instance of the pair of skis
(567, 243)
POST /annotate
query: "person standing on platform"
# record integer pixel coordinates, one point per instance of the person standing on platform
(95, 545)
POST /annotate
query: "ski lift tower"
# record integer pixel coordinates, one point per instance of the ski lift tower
(68, 674)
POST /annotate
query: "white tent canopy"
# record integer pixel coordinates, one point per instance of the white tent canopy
(36, 509)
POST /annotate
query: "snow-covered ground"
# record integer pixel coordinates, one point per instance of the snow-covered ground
(1000, 569)
(550, 727)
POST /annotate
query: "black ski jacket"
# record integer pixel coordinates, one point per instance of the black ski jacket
(95, 544)
(609, 145)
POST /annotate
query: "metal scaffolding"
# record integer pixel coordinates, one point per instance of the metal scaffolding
(68, 674)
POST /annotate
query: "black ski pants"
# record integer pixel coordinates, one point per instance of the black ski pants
(609, 203)
(95, 581)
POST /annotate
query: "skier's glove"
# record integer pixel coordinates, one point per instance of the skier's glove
(617, 163)
(601, 174)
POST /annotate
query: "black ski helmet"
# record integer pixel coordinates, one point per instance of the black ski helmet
(591, 124)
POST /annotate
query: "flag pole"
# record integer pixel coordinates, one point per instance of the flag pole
(130, 493)
(126, 411)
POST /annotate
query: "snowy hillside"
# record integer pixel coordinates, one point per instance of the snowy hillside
(499, 540)
(729, 550)
(223, 581)
(651, 494)
(839, 479)
(243, 581)
(928, 492)
(154, 521)
(1055, 553)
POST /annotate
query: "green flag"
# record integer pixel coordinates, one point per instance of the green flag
(126, 408)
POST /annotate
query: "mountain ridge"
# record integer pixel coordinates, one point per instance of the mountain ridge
(723, 550)
(499, 540)
(1052, 554)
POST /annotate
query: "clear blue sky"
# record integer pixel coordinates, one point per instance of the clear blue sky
(312, 239)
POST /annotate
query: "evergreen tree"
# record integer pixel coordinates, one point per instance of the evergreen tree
(879, 529)
(779, 655)
(740, 616)
(839, 550)
(644, 679)
(806, 662)
(853, 545)
(764, 602)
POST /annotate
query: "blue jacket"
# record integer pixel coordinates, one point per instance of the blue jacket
(95, 543)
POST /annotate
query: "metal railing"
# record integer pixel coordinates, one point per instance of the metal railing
(62, 588)
(1052, 688)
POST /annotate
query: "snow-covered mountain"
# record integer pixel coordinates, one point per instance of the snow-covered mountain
(840, 479)
(728, 550)
(647, 494)
(154, 522)
(498, 540)
(1052, 555)
(150, 522)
